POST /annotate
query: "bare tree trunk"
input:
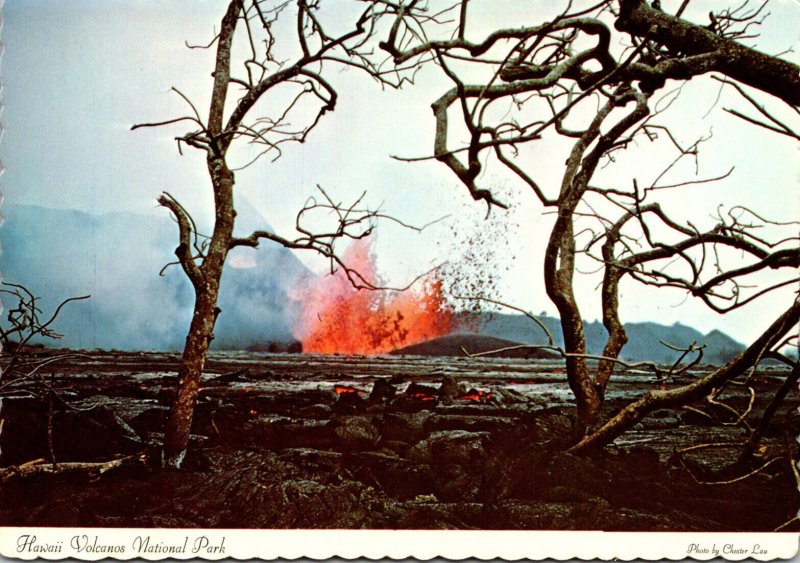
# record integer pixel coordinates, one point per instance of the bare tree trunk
(559, 271)
(617, 336)
(206, 280)
(201, 332)
(559, 262)
(206, 276)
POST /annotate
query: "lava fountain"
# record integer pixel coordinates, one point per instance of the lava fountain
(338, 318)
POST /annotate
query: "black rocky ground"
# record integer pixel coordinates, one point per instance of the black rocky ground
(303, 441)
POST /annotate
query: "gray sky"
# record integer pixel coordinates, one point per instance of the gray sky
(77, 74)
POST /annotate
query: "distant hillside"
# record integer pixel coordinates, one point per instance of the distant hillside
(644, 339)
(455, 344)
(117, 257)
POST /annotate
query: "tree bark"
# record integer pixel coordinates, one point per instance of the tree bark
(201, 330)
(205, 278)
(768, 74)
(198, 340)
(617, 336)
(559, 261)
(559, 270)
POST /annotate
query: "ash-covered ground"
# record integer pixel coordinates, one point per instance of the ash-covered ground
(312, 441)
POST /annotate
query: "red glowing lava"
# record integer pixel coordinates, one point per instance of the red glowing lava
(337, 318)
(476, 395)
(345, 390)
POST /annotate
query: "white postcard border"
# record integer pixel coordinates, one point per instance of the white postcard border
(92, 544)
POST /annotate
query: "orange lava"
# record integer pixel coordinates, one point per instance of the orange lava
(344, 390)
(337, 318)
(476, 395)
(422, 396)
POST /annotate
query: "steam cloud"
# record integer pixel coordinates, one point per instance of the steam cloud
(117, 257)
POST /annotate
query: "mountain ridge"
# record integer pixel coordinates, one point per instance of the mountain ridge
(647, 341)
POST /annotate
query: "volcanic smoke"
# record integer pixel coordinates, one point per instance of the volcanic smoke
(337, 318)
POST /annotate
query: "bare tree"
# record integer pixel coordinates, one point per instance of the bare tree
(263, 77)
(596, 76)
(25, 323)
(22, 372)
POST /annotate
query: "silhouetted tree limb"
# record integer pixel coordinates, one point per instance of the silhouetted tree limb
(186, 232)
(21, 372)
(776, 125)
(659, 399)
(25, 322)
(353, 223)
(541, 76)
(704, 51)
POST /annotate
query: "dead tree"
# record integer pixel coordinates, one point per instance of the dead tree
(596, 75)
(25, 325)
(260, 77)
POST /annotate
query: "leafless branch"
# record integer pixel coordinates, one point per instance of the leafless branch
(352, 222)
(531, 316)
(186, 234)
(92, 471)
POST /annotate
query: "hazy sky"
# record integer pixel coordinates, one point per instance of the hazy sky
(77, 74)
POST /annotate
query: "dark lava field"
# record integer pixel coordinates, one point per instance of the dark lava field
(313, 441)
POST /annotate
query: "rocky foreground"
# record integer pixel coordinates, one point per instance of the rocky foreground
(304, 441)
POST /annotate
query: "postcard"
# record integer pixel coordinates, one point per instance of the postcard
(456, 279)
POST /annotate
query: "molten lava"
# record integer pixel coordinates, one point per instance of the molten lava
(337, 318)
(476, 395)
(345, 390)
